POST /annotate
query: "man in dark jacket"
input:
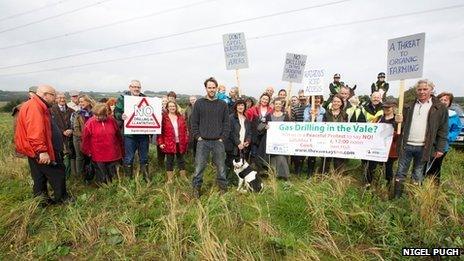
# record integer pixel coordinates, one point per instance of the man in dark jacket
(423, 136)
(62, 115)
(210, 126)
(132, 143)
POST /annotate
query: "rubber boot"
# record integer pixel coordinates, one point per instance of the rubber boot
(398, 189)
(144, 172)
(129, 171)
(169, 176)
(183, 174)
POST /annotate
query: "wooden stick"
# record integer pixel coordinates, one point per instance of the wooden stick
(400, 104)
(289, 93)
(313, 108)
(237, 77)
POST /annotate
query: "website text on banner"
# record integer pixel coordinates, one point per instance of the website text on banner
(143, 115)
(368, 141)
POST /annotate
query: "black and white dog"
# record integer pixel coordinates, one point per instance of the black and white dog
(248, 179)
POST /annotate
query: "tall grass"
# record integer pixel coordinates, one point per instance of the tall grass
(326, 217)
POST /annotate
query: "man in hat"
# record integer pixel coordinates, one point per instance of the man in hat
(335, 86)
(380, 86)
(74, 103)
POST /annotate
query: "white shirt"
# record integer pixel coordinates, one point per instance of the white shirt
(176, 130)
(242, 129)
(419, 123)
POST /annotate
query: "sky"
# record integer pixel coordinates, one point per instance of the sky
(330, 38)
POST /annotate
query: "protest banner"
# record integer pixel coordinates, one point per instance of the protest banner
(405, 61)
(236, 54)
(368, 141)
(143, 115)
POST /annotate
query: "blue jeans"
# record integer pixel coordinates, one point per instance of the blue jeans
(413, 153)
(204, 147)
(135, 143)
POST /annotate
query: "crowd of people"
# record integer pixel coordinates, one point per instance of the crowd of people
(86, 138)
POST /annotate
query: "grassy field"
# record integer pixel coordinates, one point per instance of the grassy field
(325, 218)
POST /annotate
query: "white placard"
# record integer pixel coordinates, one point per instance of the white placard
(405, 57)
(143, 115)
(368, 141)
(313, 81)
(294, 67)
(235, 51)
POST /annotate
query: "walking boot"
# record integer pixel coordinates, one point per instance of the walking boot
(128, 171)
(144, 172)
(169, 176)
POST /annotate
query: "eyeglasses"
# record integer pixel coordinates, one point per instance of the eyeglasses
(135, 86)
(50, 93)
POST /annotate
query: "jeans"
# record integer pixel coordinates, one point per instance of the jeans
(135, 143)
(204, 147)
(411, 153)
(170, 160)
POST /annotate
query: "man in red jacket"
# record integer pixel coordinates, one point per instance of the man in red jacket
(39, 138)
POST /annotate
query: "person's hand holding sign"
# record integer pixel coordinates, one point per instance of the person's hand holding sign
(162, 146)
(124, 117)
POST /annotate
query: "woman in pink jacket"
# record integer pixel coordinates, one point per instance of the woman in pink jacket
(102, 141)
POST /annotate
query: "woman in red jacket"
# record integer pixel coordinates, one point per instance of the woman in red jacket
(102, 141)
(173, 140)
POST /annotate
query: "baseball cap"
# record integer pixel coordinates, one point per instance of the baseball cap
(73, 93)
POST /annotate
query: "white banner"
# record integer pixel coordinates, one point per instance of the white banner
(368, 141)
(235, 51)
(405, 57)
(143, 115)
(294, 67)
(313, 81)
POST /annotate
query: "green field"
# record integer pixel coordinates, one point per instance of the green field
(325, 218)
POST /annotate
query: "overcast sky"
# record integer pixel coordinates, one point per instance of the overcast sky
(357, 51)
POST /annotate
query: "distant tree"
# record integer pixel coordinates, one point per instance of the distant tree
(409, 95)
(10, 105)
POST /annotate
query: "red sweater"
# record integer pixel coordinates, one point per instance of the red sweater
(102, 140)
(168, 138)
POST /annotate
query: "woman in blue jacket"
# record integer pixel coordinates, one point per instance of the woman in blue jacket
(454, 128)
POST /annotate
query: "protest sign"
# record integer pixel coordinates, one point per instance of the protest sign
(405, 57)
(143, 115)
(294, 67)
(235, 51)
(368, 141)
(314, 82)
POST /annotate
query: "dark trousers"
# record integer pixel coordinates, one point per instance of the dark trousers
(179, 158)
(338, 164)
(311, 166)
(369, 167)
(105, 171)
(160, 156)
(435, 169)
(53, 174)
(298, 163)
(389, 169)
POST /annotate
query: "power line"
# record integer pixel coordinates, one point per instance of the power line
(32, 10)
(248, 39)
(171, 35)
(107, 25)
(53, 16)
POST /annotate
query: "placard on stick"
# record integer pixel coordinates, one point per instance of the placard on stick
(405, 57)
(294, 67)
(313, 82)
(235, 51)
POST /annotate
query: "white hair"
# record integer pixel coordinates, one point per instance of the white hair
(425, 81)
(135, 81)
